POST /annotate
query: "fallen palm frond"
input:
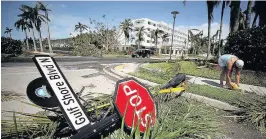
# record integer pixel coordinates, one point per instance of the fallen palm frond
(254, 111)
(178, 118)
(27, 125)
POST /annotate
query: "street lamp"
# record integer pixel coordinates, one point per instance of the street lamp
(174, 13)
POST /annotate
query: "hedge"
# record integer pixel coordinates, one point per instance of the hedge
(250, 46)
(11, 46)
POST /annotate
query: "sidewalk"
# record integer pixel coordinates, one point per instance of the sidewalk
(131, 67)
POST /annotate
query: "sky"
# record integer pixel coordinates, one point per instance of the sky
(66, 14)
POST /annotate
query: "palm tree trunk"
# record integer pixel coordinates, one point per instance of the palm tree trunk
(261, 12)
(254, 21)
(49, 41)
(221, 28)
(156, 41)
(40, 40)
(10, 34)
(213, 49)
(209, 39)
(139, 44)
(248, 14)
(125, 40)
(27, 41)
(33, 38)
(165, 52)
(234, 16)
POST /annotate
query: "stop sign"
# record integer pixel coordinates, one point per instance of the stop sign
(135, 101)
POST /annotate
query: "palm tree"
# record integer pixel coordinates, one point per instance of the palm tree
(210, 6)
(44, 8)
(31, 14)
(23, 25)
(195, 40)
(126, 28)
(39, 20)
(225, 3)
(140, 34)
(166, 35)
(259, 10)
(155, 34)
(8, 31)
(248, 14)
(214, 40)
(242, 21)
(81, 27)
(234, 16)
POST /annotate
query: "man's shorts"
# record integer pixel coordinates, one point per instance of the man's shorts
(221, 64)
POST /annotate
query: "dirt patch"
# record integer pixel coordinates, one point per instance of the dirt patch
(236, 130)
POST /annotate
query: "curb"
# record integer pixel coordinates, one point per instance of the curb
(111, 74)
(126, 75)
(209, 101)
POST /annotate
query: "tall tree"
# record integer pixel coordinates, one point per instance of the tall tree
(248, 14)
(210, 7)
(140, 35)
(8, 31)
(164, 37)
(32, 15)
(126, 28)
(23, 25)
(214, 41)
(225, 3)
(81, 27)
(242, 21)
(259, 10)
(47, 20)
(234, 16)
(155, 34)
(38, 25)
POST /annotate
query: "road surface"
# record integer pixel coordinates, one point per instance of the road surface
(17, 76)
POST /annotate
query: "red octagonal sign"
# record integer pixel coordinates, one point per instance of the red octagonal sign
(136, 102)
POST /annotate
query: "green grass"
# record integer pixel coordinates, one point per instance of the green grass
(190, 68)
(180, 118)
(225, 95)
(253, 106)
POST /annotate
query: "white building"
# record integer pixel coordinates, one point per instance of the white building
(179, 38)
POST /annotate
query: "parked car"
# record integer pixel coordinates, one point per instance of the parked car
(142, 53)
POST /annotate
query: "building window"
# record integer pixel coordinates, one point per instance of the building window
(148, 41)
(149, 29)
(149, 35)
(154, 25)
(149, 22)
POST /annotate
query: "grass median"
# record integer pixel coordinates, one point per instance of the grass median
(225, 95)
(253, 106)
(190, 68)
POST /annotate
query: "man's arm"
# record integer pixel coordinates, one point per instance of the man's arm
(229, 74)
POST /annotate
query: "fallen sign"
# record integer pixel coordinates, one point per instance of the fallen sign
(68, 101)
(132, 101)
(135, 102)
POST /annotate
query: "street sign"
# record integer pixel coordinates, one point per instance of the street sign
(135, 101)
(70, 105)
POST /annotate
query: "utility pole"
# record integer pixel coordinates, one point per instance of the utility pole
(174, 15)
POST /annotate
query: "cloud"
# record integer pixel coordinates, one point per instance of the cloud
(63, 5)
(62, 25)
(214, 27)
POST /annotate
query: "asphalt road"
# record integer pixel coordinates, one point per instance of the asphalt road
(16, 77)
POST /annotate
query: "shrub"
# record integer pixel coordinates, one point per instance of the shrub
(250, 46)
(11, 46)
